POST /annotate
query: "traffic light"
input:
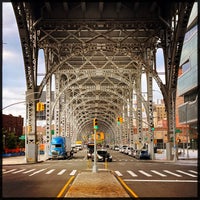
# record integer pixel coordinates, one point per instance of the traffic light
(95, 123)
(40, 107)
(118, 120)
(152, 128)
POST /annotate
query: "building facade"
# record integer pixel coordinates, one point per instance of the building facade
(12, 124)
(187, 87)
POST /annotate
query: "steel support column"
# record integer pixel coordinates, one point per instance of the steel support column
(57, 106)
(31, 134)
(48, 106)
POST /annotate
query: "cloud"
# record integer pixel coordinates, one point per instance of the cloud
(13, 75)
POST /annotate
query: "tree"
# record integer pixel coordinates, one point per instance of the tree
(21, 143)
(11, 141)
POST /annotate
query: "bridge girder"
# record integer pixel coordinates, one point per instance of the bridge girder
(115, 39)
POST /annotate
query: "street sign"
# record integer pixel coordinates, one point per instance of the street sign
(22, 137)
(178, 131)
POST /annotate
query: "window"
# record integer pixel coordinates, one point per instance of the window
(185, 66)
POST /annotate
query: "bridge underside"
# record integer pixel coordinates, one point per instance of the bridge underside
(97, 53)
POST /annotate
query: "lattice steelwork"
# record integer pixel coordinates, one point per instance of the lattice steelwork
(97, 52)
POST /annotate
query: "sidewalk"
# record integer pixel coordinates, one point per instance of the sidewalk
(192, 154)
(14, 160)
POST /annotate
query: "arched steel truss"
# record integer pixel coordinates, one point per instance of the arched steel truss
(99, 50)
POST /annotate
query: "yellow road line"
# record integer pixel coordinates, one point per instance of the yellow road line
(127, 188)
(65, 186)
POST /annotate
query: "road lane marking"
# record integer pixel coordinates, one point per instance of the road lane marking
(18, 171)
(192, 171)
(9, 171)
(118, 173)
(65, 186)
(165, 181)
(158, 173)
(172, 173)
(28, 171)
(50, 171)
(132, 173)
(37, 172)
(186, 173)
(61, 172)
(127, 188)
(73, 172)
(144, 173)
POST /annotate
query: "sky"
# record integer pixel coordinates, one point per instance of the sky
(13, 74)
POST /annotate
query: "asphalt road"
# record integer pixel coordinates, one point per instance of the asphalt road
(145, 178)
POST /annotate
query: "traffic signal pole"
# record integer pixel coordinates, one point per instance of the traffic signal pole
(95, 126)
(94, 169)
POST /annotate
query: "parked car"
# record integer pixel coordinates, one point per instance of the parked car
(74, 149)
(116, 148)
(102, 155)
(128, 150)
(134, 153)
(142, 154)
(122, 149)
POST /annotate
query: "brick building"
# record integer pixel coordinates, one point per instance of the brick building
(12, 124)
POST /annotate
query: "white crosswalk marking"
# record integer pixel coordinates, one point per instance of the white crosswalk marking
(118, 173)
(50, 171)
(18, 171)
(192, 171)
(37, 172)
(61, 172)
(144, 173)
(180, 173)
(132, 173)
(158, 173)
(73, 173)
(186, 173)
(172, 173)
(9, 171)
(28, 171)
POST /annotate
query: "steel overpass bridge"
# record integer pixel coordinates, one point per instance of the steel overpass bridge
(95, 55)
